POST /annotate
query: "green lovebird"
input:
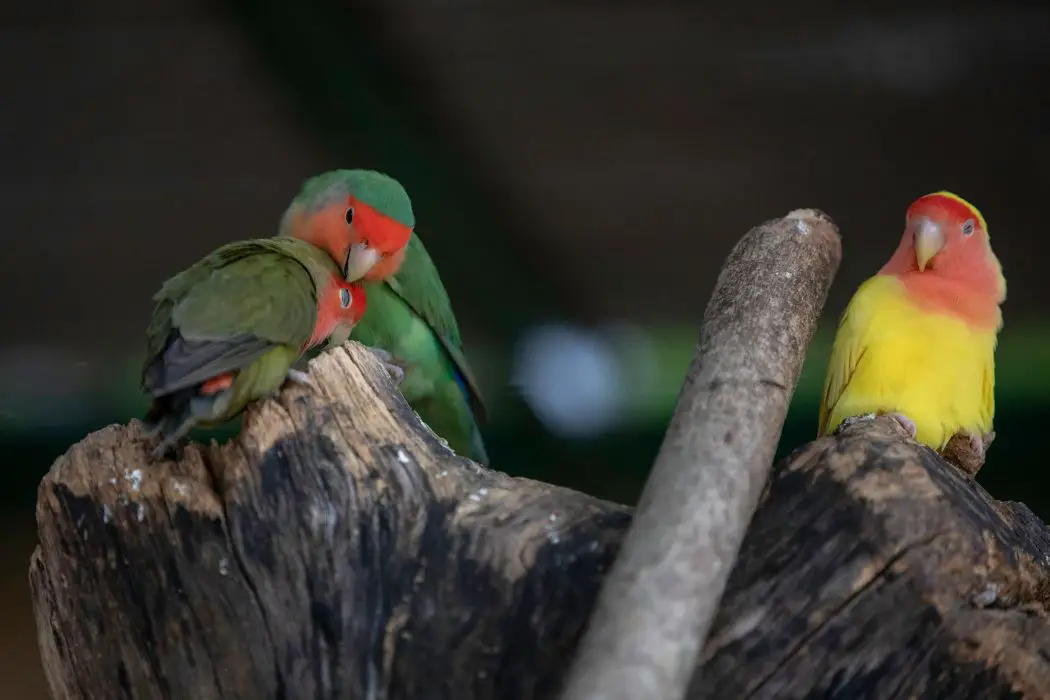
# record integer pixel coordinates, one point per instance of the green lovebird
(410, 324)
(410, 327)
(227, 330)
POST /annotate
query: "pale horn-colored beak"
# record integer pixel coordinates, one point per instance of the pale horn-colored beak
(929, 239)
(340, 334)
(359, 260)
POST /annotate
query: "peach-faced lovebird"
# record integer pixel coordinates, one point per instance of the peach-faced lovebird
(917, 341)
(362, 218)
(227, 330)
(411, 325)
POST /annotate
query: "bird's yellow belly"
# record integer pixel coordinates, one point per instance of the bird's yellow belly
(932, 368)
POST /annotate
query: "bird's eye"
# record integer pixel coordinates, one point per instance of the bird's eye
(967, 227)
(350, 215)
(345, 299)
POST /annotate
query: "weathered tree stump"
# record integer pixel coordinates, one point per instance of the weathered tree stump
(874, 569)
(337, 549)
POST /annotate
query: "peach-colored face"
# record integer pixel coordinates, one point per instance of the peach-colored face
(352, 302)
(342, 306)
(377, 242)
(364, 242)
(945, 232)
(945, 260)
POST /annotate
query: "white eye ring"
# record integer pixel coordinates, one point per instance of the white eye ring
(345, 299)
(968, 227)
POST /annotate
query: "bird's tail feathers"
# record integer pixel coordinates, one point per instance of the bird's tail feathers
(172, 416)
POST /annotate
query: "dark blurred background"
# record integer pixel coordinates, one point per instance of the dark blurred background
(579, 172)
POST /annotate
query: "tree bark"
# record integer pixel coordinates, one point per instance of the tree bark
(874, 569)
(656, 605)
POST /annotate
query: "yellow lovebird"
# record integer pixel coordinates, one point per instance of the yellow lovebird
(917, 340)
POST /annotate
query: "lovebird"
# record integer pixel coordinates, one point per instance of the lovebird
(411, 327)
(917, 341)
(227, 330)
(361, 218)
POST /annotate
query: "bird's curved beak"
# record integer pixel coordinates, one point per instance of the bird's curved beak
(359, 260)
(340, 334)
(929, 239)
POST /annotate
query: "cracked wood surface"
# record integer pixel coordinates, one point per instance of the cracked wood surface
(334, 549)
(874, 569)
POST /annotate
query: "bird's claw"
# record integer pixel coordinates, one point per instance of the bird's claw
(853, 420)
(976, 442)
(300, 378)
(967, 450)
(170, 446)
(396, 372)
(979, 443)
(904, 422)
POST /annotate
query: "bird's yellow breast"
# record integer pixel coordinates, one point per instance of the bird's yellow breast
(891, 356)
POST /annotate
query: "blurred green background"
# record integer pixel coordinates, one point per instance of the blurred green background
(579, 173)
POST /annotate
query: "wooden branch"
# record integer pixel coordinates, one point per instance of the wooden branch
(874, 569)
(334, 549)
(656, 606)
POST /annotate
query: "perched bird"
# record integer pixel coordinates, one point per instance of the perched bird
(361, 218)
(411, 327)
(917, 340)
(227, 330)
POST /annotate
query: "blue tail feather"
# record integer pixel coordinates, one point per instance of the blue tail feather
(477, 445)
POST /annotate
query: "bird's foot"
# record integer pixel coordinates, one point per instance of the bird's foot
(300, 378)
(172, 444)
(166, 449)
(160, 429)
(966, 450)
(396, 372)
(904, 422)
(853, 420)
(983, 443)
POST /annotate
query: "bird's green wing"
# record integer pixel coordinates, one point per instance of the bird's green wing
(419, 285)
(226, 311)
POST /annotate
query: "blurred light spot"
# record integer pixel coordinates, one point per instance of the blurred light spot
(571, 378)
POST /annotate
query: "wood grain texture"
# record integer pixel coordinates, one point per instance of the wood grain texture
(874, 569)
(334, 549)
(656, 606)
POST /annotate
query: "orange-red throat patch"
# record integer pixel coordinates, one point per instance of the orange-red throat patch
(383, 233)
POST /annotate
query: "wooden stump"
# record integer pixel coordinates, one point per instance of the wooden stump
(335, 549)
(874, 569)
